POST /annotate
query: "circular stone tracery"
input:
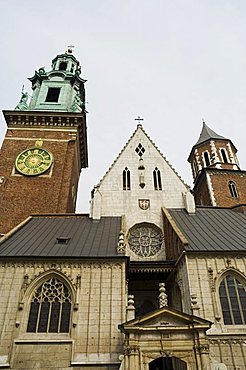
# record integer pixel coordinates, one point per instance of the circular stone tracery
(145, 240)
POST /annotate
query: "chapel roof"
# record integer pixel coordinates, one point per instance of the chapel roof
(212, 229)
(63, 236)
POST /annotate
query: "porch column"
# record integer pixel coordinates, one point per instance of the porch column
(133, 355)
(204, 352)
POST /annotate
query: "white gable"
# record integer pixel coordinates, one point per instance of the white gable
(110, 199)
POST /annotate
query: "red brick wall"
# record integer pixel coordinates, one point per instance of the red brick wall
(21, 195)
(201, 193)
(220, 185)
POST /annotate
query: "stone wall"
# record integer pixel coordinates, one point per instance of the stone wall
(227, 342)
(98, 291)
(111, 200)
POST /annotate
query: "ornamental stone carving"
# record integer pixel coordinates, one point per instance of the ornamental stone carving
(162, 296)
(145, 239)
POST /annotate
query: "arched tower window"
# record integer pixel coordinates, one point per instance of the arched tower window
(206, 158)
(194, 168)
(50, 308)
(233, 189)
(224, 155)
(233, 301)
(126, 179)
(157, 179)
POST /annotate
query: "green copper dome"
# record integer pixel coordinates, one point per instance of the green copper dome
(61, 89)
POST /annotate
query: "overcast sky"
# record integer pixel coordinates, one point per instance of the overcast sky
(173, 62)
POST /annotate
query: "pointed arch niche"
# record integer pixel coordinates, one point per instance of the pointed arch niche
(233, 189)
(157, 179)
(206, 158)
(224, 155)
(126, 177)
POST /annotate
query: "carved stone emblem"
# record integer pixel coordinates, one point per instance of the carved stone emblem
(144, 203)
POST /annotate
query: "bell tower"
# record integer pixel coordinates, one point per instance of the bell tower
(218, 179)
(45, 146)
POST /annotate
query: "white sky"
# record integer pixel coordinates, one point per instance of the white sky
(173, 62)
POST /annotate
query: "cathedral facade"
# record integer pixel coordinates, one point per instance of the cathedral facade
(152, 279)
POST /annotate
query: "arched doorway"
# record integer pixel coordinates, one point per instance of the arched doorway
(167, 363)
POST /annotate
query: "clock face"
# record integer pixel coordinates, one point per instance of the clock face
(33, 161)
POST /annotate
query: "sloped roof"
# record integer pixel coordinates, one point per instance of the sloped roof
(208, 134)
(81, 237)
(140, 127)
(212, 229)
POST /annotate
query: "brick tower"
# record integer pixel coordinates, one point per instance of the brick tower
(218, 180)
(45, 145)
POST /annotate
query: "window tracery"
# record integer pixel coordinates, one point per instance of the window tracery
(232, 295)
(140, 150)
(145, 240)
(50, 308)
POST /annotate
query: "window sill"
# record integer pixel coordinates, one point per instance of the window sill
(43, 338)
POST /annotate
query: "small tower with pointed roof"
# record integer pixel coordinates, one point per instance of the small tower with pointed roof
(218, 179)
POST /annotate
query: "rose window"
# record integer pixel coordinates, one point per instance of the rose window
(145, 240)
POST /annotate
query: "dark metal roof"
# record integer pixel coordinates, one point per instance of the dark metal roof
(212, 229)
(208, 134)
(64, 236)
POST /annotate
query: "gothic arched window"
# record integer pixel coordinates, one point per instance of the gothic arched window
(126, 179)
(233, 301)
(194, 168)
(233, 189)
(206, 158)
(157, 179)
(50, 308)
(224, 155)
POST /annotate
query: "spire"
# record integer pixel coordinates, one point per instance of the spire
(208, 134)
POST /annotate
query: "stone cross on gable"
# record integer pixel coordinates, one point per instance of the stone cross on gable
(139, 119)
